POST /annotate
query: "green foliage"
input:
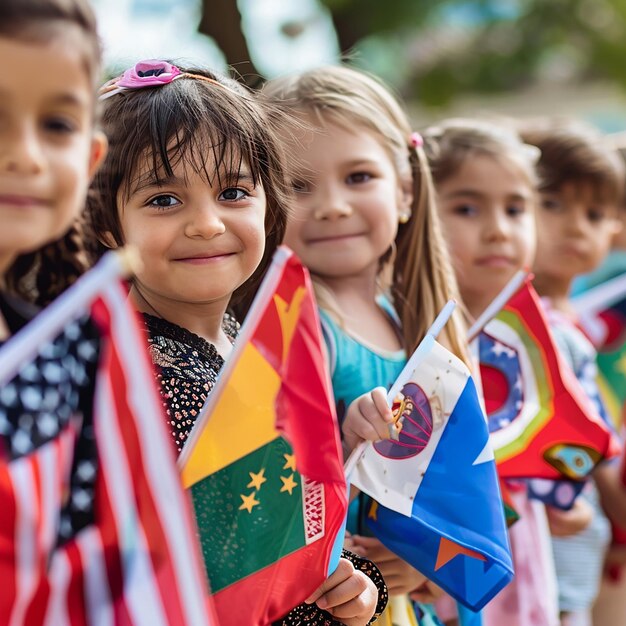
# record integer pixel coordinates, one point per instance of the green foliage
(448, 47)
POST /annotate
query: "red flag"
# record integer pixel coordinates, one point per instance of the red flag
(134, 559)
(541, 422)
(264, 463)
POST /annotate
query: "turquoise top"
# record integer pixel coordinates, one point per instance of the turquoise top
(356, 367)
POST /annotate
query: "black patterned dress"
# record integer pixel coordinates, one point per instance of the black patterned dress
(187, 367)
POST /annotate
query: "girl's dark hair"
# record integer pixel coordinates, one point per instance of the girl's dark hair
(211, 126)
(41, 275)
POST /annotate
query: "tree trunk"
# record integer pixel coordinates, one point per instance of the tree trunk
(221, 20)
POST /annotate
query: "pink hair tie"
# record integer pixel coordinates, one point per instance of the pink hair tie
(416, 140)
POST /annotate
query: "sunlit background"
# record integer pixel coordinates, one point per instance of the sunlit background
(445, 57)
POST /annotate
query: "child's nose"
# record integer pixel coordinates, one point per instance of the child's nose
(205, 222)
(21, 152)
(497, 227)
(333, 205)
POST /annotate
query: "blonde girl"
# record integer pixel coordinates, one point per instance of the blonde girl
(366, 226)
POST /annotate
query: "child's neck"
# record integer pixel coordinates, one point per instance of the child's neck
(204, 320)
(557, 290)
(362, 316)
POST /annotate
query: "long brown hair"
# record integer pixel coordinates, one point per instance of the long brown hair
(423, 280)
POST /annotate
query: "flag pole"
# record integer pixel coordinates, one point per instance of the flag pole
(417, 357)
(601, 297)
(24, 345)
(498, 302)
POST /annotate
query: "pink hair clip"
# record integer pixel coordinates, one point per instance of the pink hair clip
(148, 73)
(416, 140)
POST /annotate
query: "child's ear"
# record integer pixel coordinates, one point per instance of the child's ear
(99, 147)
(405, 199)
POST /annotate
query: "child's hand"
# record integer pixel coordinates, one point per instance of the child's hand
(367, 418)
(399, 576)
(347, 594)
(566, 523)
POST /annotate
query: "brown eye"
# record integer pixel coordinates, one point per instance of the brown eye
(164, 201)
(233, 194)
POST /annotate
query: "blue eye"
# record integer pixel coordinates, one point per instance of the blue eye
(163, 201)
(233, 194)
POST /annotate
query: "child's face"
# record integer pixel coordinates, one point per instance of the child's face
(198, 241)
(575, 230)
(487, 215)
(48, 149)
(348, 202)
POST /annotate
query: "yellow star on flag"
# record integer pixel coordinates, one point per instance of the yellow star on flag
(256, 480)
(249, 502)
(290, 462)
(288, 484)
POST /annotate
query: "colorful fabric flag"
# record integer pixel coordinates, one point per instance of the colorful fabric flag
(540, 421)
(264, 463)
(602, 314)
(106, 539)
(436, 498)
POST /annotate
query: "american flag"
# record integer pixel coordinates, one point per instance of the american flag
(106, 541)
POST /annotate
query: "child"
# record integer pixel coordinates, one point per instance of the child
(49, 149)
(195, 181)
(581, 187)
(364, 214)
(485, 185)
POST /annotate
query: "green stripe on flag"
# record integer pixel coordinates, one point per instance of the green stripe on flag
(543, 383)
(249, 514)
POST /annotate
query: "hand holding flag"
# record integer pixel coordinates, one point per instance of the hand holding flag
(264, 463)
(436, 499)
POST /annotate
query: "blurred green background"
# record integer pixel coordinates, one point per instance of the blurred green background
(444, 57)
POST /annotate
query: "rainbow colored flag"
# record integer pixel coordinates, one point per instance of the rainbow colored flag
(264, 464)
(541, 423)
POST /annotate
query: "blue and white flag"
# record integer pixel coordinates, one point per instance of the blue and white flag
(436, 498)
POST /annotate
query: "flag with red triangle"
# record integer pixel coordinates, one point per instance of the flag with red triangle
(264, 464)
(541, 423)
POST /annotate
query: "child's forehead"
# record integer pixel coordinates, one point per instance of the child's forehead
(210, 160)
(46, 69)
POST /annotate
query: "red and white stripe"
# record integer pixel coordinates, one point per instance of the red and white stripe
(139, 563)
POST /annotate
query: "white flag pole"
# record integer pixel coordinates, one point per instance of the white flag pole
(498, 302)
(24, 345)
(417, 357)
(601, 297)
